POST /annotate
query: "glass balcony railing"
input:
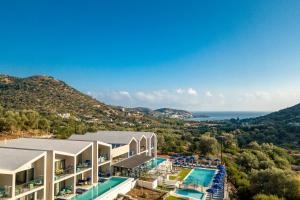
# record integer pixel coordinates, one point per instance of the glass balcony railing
(83, 165)
(143, 148)
(65, 193)
(60, 173)
(5, 192)
(102, 159)
(31, 185)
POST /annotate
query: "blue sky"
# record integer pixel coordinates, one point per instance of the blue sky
(195, 55)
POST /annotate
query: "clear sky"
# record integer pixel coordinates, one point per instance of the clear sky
(195, 55)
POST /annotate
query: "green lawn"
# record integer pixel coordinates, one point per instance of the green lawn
(173, 198)
(183, 172)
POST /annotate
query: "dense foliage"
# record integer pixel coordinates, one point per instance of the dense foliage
(281, 128)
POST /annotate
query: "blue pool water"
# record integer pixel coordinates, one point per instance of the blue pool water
(200, 176)
(156, 161)
(100, 189)
(190, 193)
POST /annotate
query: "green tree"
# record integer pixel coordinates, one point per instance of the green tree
(208, 145)
(44, 124)
(275, 181)
(248, 160)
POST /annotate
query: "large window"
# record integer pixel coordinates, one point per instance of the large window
(24, 176)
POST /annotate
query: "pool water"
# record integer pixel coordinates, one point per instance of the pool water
(156, 161)
(190, 193)
(100, 189)
(200, 177)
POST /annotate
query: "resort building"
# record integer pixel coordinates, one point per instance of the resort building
(96, 165)
(22, 174)
(69, 164)
(127, 149)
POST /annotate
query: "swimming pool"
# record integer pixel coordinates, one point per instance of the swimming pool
(200, 176)
(156, 161)
(190, 193)
(100, 189)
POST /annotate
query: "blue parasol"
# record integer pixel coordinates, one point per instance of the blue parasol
(217, 186)
(211, 190)
(216, 181)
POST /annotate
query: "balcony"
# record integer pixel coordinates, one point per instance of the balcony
(132, 153)
(5, 192)
(65, 193)
(31, 185)
(84, 183)
(143, 148)
(83, 166)
(103, 158)
(60, 173)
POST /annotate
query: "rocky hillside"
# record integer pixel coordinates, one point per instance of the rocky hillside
(47, 95)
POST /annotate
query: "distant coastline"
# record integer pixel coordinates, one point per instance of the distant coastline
(225, 115)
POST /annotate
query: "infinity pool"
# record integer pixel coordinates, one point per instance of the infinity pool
(200, 176)
(190, 193)
(100, 189)
(156, 161)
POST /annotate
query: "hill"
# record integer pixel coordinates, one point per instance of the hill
(281, 128)
(174, 113)
(54, 98)
(164, 112)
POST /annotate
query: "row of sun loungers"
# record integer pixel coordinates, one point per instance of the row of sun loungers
(192, 165)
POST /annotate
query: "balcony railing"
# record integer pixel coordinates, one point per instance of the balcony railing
(84, 165)
(31, 185)
(116, 160)
(64, 193)
(143, 148)
(84, 182)
(5, 192)
(131, 153)
(102, 159)
(60, 173)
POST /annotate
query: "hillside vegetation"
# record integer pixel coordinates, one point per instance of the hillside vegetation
(281, 128)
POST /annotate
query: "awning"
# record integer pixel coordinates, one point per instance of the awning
(133, 162)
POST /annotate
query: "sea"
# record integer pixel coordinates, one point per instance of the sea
(225, 115)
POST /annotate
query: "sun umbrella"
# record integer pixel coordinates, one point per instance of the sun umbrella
(216, 181)
(221, 167)
(211, 190)
(219, 176)
(217, 186)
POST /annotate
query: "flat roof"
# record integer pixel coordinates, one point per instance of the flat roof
(112, 137)
(133, 162)
(67, 146)
(13, 159)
